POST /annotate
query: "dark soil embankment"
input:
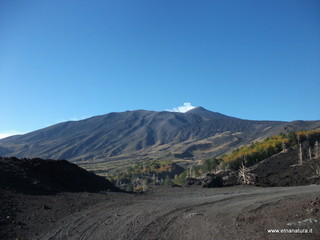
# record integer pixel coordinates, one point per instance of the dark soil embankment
(281, 170)
(284, 169)
(38, 176)
(28, 188)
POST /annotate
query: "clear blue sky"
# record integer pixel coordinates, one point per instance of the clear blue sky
(62, 60)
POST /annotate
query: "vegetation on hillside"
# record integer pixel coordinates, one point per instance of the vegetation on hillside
(137, 177)
(256, 152)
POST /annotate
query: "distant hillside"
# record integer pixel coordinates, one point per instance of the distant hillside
(115, 139)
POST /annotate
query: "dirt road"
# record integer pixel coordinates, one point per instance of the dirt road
(241, 212)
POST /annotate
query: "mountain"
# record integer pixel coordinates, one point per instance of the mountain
(115, 139)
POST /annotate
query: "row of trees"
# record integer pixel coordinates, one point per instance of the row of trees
(206, 166)
(246, 156)
(256, 152)
(137, 177)
(142, 184)
(310, 139)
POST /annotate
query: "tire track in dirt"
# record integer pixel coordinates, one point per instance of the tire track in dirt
(226, 227)
(186, 216)
(160, 225)
(83, 224)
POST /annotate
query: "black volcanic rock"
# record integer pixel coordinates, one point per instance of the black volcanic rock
(283, 170)
(212, 181)
(38, 176)
(192, 181)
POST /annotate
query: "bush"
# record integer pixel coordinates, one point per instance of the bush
(129, 188)
(167, 182)
(181, 178)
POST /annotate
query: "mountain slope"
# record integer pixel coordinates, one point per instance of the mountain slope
(99, 141)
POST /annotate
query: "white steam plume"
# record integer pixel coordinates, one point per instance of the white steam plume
(185, 108)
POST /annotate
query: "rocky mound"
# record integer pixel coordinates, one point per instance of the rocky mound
(38, 176)
(221, 179)
(284, 169)
(280, 170)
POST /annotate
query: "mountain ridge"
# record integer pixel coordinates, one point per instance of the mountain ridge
(114, 138)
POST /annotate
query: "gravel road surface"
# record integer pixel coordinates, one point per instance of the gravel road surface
(241, 212)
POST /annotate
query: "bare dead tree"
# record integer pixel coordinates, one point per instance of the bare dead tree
(316, 170)
(310, 153)
(245, 176)
(118, 183)
(283, 146)
(192, 172)
(300, 154)
(309, 147)
(145, 185)
(189, 173)
(300, 150)
(316, 149)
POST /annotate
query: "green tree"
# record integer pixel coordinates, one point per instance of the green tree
(210, 164)
(129, 188)
(167, 182)
(181, 178)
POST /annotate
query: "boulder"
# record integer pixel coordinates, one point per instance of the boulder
(192, 181)
(211, 181)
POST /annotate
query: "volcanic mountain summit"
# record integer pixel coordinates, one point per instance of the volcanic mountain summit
(144, 135)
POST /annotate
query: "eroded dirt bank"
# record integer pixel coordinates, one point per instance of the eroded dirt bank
(241, 212)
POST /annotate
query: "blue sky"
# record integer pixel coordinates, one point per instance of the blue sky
(68, 60)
